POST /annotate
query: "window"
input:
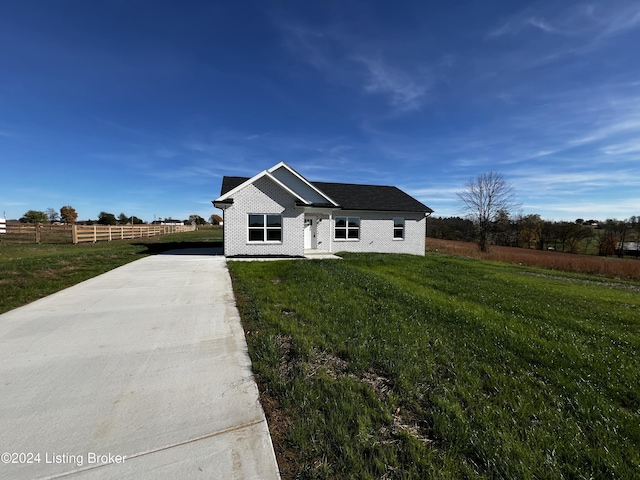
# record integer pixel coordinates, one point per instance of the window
(265, 228)
(347, 228)
(398, 228)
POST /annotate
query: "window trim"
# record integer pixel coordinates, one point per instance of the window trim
(401, 228)
(265, 228)
(347, 228)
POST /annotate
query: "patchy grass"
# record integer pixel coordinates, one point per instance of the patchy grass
(32, 271)
(390, 366)
(613, 267)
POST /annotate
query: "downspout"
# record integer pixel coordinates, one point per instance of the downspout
(224, 233)
(330, 233)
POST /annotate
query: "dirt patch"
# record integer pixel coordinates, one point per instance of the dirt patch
(333, 365)
(403, 421)
(279, 425)
(55, 273)
(321, 361)
(381, 385)
(288, 361)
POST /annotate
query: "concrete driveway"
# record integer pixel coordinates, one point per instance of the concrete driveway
(142, 372)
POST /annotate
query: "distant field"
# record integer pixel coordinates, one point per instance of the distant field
(32, 271)
(627, 268)
(390, 366)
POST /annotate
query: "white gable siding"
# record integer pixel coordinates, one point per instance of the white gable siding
(298, 186)
(263, 196)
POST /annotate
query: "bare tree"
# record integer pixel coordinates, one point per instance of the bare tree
(52, 215)
(483, 199)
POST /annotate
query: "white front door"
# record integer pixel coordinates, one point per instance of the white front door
(309, 233)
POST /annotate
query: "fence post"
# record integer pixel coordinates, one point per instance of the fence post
(74, 233)
(37, 227)
(95, 234)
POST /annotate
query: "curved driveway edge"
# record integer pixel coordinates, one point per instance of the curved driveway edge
(142, 372)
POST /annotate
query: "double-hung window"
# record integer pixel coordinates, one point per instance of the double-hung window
(347, 228)
(398, 228)
(264, 227)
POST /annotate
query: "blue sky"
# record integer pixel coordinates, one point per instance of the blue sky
(141, 106)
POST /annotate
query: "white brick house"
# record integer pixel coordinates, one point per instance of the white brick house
(280, 213)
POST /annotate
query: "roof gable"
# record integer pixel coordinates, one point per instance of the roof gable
(299, 184)
(283, 176)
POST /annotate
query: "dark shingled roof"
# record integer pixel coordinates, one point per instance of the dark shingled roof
(370, 197)
(229, 183)
(354, 196)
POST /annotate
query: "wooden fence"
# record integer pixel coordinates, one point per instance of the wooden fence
(96, 233)
(46, 233)
(36, 233)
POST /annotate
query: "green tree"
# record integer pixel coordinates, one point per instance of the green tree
(106, 218)
(483, 198)
(34, 216)
(68, 214)
(530, 231)
(505, 231)
(197, 219)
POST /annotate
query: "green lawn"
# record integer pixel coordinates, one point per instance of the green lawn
(390, 366)
(32, 271)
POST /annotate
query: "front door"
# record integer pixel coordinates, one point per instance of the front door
(309, 233)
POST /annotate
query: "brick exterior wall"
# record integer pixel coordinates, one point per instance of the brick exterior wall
(376, 233)
(263, 196)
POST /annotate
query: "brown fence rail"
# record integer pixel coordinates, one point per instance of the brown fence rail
(36, 233)
(96, 233)
(46, 233)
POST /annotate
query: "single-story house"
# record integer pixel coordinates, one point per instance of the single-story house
(278, 212)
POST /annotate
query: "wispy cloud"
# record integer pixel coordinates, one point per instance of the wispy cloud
(199, 172)
(613, 129)
(256, 136)
(322, 49)
(353, 63)
(598, 209)
(632, 146)
(590, 23)
(403, 90)
(613, 18)
(522, 22)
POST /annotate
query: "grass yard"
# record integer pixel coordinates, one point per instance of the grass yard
(391, 366)
(32, 271)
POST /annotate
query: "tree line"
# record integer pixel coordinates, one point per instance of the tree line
(609, 237)
(488, 201)
(68, 215)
